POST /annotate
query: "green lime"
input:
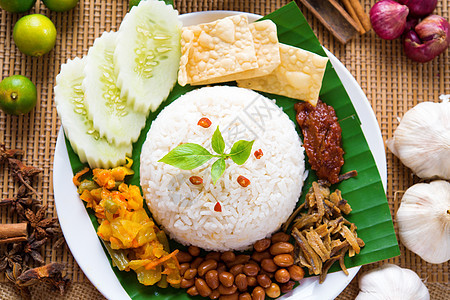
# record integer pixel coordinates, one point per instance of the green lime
(34, 35)
(60, 5)
(133, 3)
(18, 95)
(17, 6)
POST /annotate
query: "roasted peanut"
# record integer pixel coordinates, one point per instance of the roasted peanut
(202, 287)
(186, 283)
(251, 281)
(197, 261)
(259, 256)
(213, 255)
(183, 257)
(258, 293)
(268, 265)
(245, 296)
(282, 275)
(190, 273)
(286, 287)
(263, 280)
(296, 273)
(194, 251)
(234, 296)
(273, 291)
(183, 268)
(280, 237)
(207, 265)
(227, 290)
(212, 279)
(283, 260)
(221, 267)
(261, 245)
(226, 278)
(214, 295)
(192, 291)
(241, 282)
(237, 269)
(269, 274)
(240, 259)
(281, 248)
(228, 256)
(251, 269)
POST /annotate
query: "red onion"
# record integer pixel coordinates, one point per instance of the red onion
(420, 8)
(428, 39)
(388, 19)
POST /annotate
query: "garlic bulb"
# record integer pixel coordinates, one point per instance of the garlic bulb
(424, 220)
(422, 140)
(391, 282)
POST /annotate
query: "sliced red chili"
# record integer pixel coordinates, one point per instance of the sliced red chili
(196, 180)
(258, 154)
(244, 182)
(218, 207)
(204, 122)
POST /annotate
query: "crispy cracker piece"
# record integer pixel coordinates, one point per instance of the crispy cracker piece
(216, 49)
(267, 52)
(298, 76)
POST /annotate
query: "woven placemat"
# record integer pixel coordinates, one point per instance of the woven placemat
(392, 83)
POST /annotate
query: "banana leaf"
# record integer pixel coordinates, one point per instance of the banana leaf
(365, 192)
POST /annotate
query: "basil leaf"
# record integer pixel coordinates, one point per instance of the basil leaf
(187, 156)
(241, 151)
(217, 142)
(217, 169)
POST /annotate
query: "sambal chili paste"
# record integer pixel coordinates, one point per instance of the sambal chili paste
(321, 139)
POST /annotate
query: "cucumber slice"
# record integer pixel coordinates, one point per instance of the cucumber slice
(84, 139)
(147, 54)
(112, 116)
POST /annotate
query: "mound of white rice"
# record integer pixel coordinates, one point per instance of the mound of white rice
(186, 211)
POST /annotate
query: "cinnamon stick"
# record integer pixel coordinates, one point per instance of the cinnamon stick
(13, 233)
(352, 12)
(362, 16)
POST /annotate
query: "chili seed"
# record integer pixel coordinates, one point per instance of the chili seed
(204, 122)
(244, 182)
(258, 154)
(218, 207)
(196, 180)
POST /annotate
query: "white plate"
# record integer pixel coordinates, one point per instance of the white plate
(86, 247)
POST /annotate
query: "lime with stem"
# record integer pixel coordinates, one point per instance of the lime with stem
(18, 95)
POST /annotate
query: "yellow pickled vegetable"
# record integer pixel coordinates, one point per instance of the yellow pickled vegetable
(132, 238)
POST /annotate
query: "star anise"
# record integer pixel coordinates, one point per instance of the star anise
(23, 173)
(11, 257)
(51, 273)
(20, 201)
(32, 250)
(6, 154)
(40, 226)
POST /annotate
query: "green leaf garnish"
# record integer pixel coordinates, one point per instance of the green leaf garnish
(241, 151)
(217, 142)
(187, 156)
(217, 169)
(190, 156)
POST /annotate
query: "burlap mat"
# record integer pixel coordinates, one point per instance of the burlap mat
(392, 83)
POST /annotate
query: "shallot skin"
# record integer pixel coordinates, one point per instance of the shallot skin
(428, 39)
(420, 8)
(388, 19)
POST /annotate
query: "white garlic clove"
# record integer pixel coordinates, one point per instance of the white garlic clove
(424, 220)
(390, 282)
(422, 140)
